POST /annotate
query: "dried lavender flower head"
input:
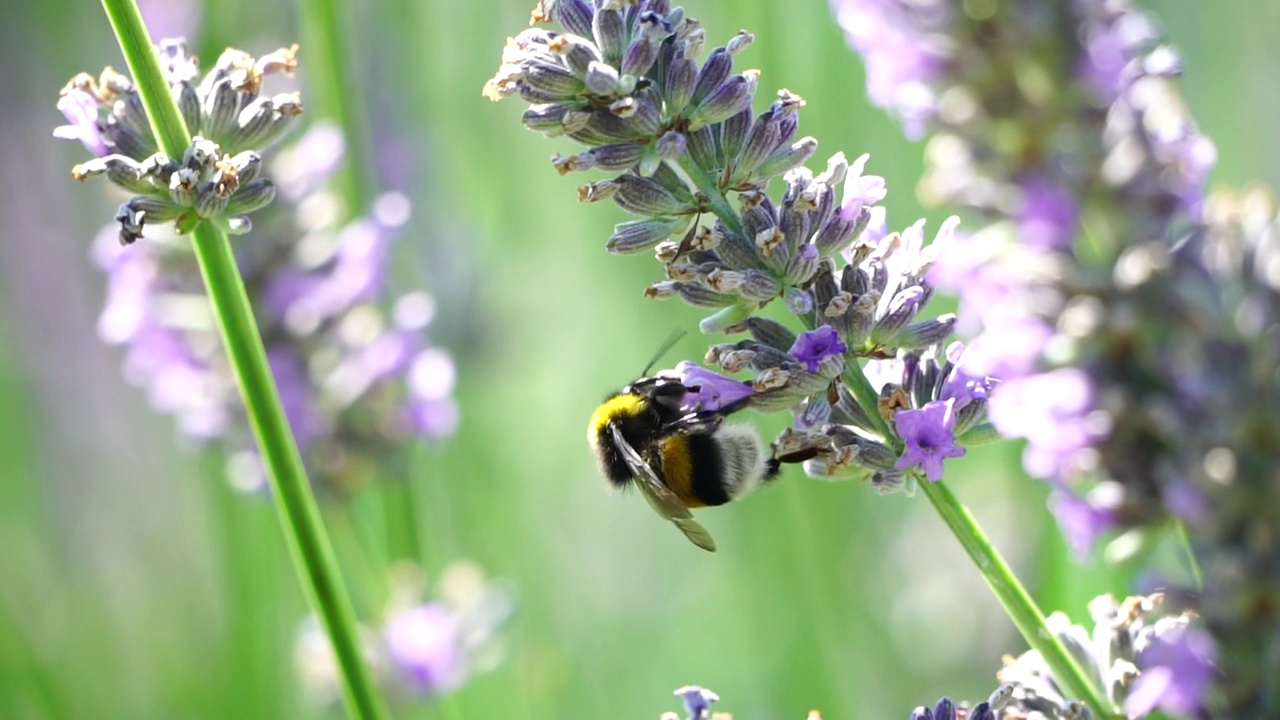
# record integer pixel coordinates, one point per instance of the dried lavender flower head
(357, 374)
(230, 120)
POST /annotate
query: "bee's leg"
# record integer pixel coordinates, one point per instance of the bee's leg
(774, 464)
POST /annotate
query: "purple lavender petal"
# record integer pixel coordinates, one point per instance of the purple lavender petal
(1177, 669)
(423, 645)
(860, 190)
(814, 346)
(1081, 521)
(697, 701)
(81, 111)
(714, 390)
(1047, 216)
(902, 50)
(1051, 411)
(928, 437)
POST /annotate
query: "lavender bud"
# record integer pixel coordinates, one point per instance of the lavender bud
(970, 426)
(836, 234)
(785, 160)
(924, 334)
(189, 106)
(740, 42)
(251, 196)
(640, 235)
(701, 145)
(758, 285)
(860, 320)
(714, 72)
(728, 99)
(119, 169)
(645, 118)
(798, 301)
(761, 141)
(681, 77)
(726, 318)
(610, 33)
(220, 109)
(770, 332)
(902, 309)
(183, 187)
(643, 50)
(733, 133)
(601, 79)
(213, 203)
(575, 16)
(553, 119)
(579, 54)
(735, 249)
(643, 196)
(248, 165)
(597, 191)
(616, 157)
(553, 81)
(137, 211)
(671, 145)
(802, 265)
(694, 293)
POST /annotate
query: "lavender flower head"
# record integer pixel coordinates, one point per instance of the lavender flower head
(1128, 359)
(217, 178)
(689, 157)
(1137, 654)
(355, 371)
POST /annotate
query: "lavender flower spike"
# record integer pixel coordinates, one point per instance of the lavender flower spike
(217, 177)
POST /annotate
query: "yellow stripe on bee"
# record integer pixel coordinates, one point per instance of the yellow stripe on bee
(677, 469)
(625, 405)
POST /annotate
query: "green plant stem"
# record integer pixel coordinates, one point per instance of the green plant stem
(296, 506)
(1016, 601)
(1193, 564)
(857, 382)
(720, 206)
(336, 92)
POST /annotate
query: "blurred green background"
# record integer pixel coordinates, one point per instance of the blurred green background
(134, 583)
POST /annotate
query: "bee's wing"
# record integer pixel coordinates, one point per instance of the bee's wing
(663, 501)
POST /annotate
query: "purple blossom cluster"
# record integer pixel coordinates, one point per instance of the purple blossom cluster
(684, 143)
(1129, 346)
(356, 372)
(427, 644)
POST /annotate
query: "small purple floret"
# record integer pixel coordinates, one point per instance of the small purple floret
(714, 390)
(814, 346)
(1177, 669)
(927, 433)
(697, 701)
(422, 643)
(81, 110)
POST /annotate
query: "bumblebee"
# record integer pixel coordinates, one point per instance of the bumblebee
(678, 458)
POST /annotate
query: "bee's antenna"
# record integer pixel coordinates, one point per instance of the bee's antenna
(672, 339)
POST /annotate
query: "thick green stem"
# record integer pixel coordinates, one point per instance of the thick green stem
(1016, 601)
(295, 504)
